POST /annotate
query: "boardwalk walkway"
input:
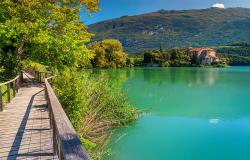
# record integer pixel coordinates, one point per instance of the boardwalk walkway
(25, 131)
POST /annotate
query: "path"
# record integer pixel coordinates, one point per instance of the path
(25, 131)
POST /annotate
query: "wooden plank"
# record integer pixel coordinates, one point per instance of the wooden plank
(28, 129)
(25, 131)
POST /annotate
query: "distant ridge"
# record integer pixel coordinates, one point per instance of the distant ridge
(172, 28)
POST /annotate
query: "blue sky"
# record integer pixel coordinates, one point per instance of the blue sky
(117, 8)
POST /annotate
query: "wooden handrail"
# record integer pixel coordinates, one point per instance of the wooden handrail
(67, 144)
(13, 84)
(4, 83)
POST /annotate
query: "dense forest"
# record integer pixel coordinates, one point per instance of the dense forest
(174, 57)
(237, 54)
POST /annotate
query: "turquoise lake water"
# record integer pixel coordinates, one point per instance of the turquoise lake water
(190, 114)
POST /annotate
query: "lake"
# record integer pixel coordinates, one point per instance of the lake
(189, 114)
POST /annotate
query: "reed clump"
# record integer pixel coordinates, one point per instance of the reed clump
(95, 107)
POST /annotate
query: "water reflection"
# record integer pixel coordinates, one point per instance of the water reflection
(202, 77)
(196, 92)
(188, 76)
(161, 76)
(117, 76)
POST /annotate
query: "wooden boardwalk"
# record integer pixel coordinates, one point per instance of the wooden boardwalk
(25, 131)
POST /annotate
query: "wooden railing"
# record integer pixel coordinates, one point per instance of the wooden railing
(67, 144)
(11, 88)
(39, 76)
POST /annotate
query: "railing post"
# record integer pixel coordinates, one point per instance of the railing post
(52, 127)
(21, 76)
(40, 77)
(17, 84)
(1, 100)
(8, 92)
(35, 75)
(14, 88)
(54, 137)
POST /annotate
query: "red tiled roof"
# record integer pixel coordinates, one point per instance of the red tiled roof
(200, 49)
(195, 49)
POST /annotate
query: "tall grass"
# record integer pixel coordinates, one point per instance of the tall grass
(95, 107)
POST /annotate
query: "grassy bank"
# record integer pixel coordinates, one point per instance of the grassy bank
(95, 107)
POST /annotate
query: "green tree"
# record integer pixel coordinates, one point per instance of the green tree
(166, 57)
(195, 60)
(108, 53)
(153, 56)
(45, 31)
(174, 55)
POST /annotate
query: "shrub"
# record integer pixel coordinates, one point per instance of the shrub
(30, 65)
(9, 64)
(94, 106)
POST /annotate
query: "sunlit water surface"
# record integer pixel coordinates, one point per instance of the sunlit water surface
(190, 114)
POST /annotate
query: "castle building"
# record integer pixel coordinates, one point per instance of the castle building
(205, 55)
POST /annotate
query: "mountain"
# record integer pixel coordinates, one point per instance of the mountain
(185, 28)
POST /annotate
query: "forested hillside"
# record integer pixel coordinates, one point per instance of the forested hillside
(206, 27)
(237, 54)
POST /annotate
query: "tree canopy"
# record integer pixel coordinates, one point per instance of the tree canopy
(172, 57)
(44, 31)
(108, 53)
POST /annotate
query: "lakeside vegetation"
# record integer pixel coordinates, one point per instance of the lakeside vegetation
(95, 107)
(237, 54)
(174, 57)
(177, 57)
(108, 53)
(47, 36)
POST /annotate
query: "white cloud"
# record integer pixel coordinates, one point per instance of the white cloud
(219, 5)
